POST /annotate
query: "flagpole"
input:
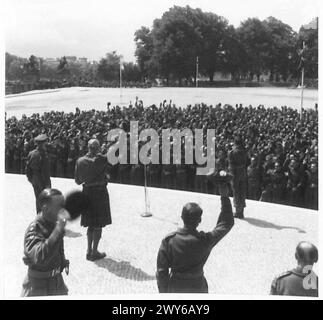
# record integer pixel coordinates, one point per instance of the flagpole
(147, 212)
(120, 81)
(302, 82)
(197, 71)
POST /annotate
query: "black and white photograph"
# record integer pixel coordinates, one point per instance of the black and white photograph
(160, 149)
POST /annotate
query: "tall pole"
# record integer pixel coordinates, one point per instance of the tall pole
(197, 71)
(302, 82)
(147, 212)
(120, 80)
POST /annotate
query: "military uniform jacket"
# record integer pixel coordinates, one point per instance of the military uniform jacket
(43, 246)
(185, 251)
(295, 283)
(238, 161)
(89, 170)
(37, 169)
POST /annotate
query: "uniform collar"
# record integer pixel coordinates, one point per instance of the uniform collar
(185, 230)
(299, 272)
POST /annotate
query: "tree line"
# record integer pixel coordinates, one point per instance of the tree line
(184, 39)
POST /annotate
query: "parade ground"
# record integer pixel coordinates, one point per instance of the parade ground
(243, 263)
(67, 99)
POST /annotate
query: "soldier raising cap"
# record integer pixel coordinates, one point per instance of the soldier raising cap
(41, 138)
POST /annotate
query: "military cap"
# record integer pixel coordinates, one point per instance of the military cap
(41, 138)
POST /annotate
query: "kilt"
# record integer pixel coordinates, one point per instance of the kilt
(98, 215)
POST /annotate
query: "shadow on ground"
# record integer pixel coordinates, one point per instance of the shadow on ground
(124, 269)
(71, 234)
(265, 224)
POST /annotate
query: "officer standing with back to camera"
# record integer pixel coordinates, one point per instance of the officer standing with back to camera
(238, 159)
(301, 281)
(183, 253)
(37, 167)
(91, 171)
(44, 247)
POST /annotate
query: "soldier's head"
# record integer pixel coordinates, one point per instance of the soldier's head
(192, 215)
(306, 253)
(51, 202)
(238, 141)
(41, 142)
(277, 166)
(94, 146)
(253, 161)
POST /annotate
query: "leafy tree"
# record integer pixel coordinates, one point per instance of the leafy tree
(109, 67)
(31, 69)
(131, 72)
(63, 70)
(214, 31)
(177, 42)
(310, 37)
(144, 52)
(235, 58)
(256, 39)
(283, 40)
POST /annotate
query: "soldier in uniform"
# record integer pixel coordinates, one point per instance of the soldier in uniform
(37, 167)
(44, 248)
(238, 167)
(311, 189)
(183, 253)
(91, 171)
(301, 281)
(253, 174)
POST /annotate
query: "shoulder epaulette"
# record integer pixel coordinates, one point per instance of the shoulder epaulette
(170, 235)
(284, 274)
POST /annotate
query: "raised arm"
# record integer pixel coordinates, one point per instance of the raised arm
(39, 250)
(224, 224)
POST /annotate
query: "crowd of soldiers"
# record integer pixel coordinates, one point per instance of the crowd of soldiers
(282, 146)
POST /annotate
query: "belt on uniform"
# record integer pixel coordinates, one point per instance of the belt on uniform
(95, 184)
(44, 274)
(187, 275)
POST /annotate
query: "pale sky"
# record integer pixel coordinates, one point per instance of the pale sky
(91, 28)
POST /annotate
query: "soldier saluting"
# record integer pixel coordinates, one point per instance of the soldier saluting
(37, 168)
(183, 253)
(44, 247)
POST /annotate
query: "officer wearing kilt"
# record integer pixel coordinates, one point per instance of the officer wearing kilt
(91, 171)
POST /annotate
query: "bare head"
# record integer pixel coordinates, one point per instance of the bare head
(306, 253)
(192, 215)
(51, 202)
(94, 146)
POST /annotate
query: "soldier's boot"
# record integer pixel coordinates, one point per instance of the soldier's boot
(239, 213)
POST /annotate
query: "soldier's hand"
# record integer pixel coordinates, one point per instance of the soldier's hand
(224, 189)
(62, 218)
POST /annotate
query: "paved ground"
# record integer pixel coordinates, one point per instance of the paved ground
(244, 262)
(67, 99)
